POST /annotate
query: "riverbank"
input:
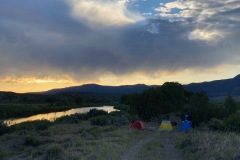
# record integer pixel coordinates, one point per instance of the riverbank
(82, 140)
(52, 116)
(102, 135)
(19, 110)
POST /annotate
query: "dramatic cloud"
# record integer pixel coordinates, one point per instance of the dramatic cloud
(103, 12)
(108, 42)
(213, 19)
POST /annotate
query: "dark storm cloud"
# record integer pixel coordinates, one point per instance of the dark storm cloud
(41, 37)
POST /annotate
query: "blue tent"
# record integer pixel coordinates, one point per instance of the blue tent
(185, 125)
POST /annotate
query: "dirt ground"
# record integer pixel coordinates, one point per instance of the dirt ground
(168, 151)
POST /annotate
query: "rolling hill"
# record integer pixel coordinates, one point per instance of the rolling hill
(214, 89)
(94, 88)
(217, 88)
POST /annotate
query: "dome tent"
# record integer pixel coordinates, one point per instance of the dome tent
(137, 125)
(185, 125)
(165, 126)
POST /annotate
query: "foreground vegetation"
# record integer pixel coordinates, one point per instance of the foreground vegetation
(71, 139)
(194, 145)
(210, 145)
(95, 135)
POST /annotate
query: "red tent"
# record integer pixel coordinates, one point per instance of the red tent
(137, 125)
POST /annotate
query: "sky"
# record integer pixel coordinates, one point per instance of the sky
(47, 44)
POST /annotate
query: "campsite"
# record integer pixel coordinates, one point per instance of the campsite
(69, 138)
(166, 122)
(119, 80)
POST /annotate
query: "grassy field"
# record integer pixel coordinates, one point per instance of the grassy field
(69, 141)
(83, 141)
(196, 145)
(199, 145)
(101, 135)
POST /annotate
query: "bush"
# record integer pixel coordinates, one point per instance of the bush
(41, 124)
(32, 125)
(117, 113)
(32, 141)
(232, 122)
(215, 124)
(3, 128)
(101, 121)
(133, 118)
(122, 107)
(54, 152)
(94, 113)
(120, 121)
(184, 143)
(81, 116)
(67, 119)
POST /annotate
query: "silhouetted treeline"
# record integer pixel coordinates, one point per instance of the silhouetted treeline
(63, 97)
(172, 98)
(14, 105)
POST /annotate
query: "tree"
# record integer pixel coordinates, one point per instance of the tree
(197, 107)
(173, 93)
(230, 104)
(160, 100)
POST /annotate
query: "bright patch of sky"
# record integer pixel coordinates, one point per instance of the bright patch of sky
(148, 7)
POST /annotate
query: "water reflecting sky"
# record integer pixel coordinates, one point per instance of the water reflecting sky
(52, 116)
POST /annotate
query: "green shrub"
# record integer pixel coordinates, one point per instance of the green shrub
(67, 119)
(101, 121)
(81, 116)
(216, 124)
(94, 113)
(74, 118)
(32, 125)
(122, 107)
(32, 141)
(232, 122)
(133, 118)
(184, 143)
(117, 113)
(42, 124)
(3, 128)
(120, 121)
(54, 152)
(5, 154)
(37, 152)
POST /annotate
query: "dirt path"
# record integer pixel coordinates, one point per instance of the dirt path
(133, 151)
(169, 151)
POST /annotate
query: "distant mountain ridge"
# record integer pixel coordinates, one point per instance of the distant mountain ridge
(217, 88)
(95, 88)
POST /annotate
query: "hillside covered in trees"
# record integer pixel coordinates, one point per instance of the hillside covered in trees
(172, 98)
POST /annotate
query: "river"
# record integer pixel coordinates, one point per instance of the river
(52, 116)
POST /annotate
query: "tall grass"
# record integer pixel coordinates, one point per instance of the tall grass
(210, 145)
(69, 141)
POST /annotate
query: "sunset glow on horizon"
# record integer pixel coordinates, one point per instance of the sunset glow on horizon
(61, 43)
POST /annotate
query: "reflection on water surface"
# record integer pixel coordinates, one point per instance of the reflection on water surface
(52, 116)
